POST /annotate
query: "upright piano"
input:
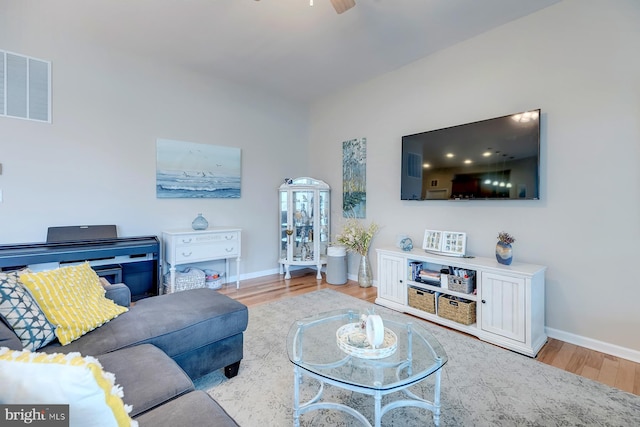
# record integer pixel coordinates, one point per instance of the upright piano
(134, 261)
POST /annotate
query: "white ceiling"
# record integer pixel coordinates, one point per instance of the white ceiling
(286, 46)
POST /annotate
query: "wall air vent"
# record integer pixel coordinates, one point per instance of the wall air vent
(25, 87)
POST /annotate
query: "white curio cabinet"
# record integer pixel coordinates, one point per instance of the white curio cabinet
(304, 224)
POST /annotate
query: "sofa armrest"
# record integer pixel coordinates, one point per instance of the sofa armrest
(118, 293)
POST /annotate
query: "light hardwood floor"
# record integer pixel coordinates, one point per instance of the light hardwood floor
(613, 371)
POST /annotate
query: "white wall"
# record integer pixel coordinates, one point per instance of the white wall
(95, 164)
(577, 61)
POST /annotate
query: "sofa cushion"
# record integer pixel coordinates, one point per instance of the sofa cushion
(196, 408)
(73, 300)
(176, 323)
(21, 312)
(8, 338)
(148, 376)
(43, 379)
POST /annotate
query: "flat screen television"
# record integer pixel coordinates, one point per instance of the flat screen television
(497, 158)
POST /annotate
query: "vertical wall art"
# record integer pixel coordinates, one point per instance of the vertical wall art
(191, 170)
(354, 178)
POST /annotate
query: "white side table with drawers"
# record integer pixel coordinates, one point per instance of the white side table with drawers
(187, 246)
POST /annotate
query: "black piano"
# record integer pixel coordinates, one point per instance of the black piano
(130, 260)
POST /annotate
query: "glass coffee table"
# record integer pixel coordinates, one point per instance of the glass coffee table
(313, 348)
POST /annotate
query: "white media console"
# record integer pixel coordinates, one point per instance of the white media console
(509, 299)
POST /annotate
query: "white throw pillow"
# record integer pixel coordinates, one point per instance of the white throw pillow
(40, 379)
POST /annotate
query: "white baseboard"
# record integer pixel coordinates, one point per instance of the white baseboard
(256, 274)
(601, 346)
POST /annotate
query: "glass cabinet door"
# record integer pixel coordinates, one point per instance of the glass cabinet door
(303, 225)
(285, 231)
(323, 218)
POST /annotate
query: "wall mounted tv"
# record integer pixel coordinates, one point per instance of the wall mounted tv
(497, 158)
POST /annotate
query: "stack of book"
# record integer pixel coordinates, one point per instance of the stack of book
(430, 277)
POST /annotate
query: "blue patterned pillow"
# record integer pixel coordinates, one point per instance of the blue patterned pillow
(23, 314)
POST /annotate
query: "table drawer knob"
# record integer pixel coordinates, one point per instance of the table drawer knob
(184, 254)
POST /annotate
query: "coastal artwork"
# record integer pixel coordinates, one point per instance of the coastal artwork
(192, 170)
(354, 178)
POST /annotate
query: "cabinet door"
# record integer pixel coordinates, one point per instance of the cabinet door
(285, 230)
(391, 278)
(503, 306)
(303, 222)
(323, 233)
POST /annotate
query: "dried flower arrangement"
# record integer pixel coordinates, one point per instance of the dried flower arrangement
(356, 237)
(505, 237)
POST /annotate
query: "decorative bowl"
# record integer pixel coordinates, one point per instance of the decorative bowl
(352, 339)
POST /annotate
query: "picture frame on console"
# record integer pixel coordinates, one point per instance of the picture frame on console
(432, 240)
(452, 243)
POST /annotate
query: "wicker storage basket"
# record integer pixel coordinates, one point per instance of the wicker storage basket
(191, 278)
(465, 285)
(422, 299)
(457, 309)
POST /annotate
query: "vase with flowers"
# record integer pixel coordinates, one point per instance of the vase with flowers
(504, 250)
(357, 238)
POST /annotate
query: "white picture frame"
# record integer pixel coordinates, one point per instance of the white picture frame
(453, 243)
(432, 240)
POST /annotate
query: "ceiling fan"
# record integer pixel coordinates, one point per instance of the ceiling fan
(339, 5)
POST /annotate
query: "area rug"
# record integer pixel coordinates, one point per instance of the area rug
(482, 385)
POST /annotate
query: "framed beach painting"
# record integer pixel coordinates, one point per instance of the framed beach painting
(192, 170)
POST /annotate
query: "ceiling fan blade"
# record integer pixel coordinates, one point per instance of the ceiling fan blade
(342, 5)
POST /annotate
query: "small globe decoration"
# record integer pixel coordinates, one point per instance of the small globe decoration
(406, 244)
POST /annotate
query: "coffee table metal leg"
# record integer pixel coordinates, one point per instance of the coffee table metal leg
(296, 395)
(316, 404)
(378, 409)
(436, 399)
